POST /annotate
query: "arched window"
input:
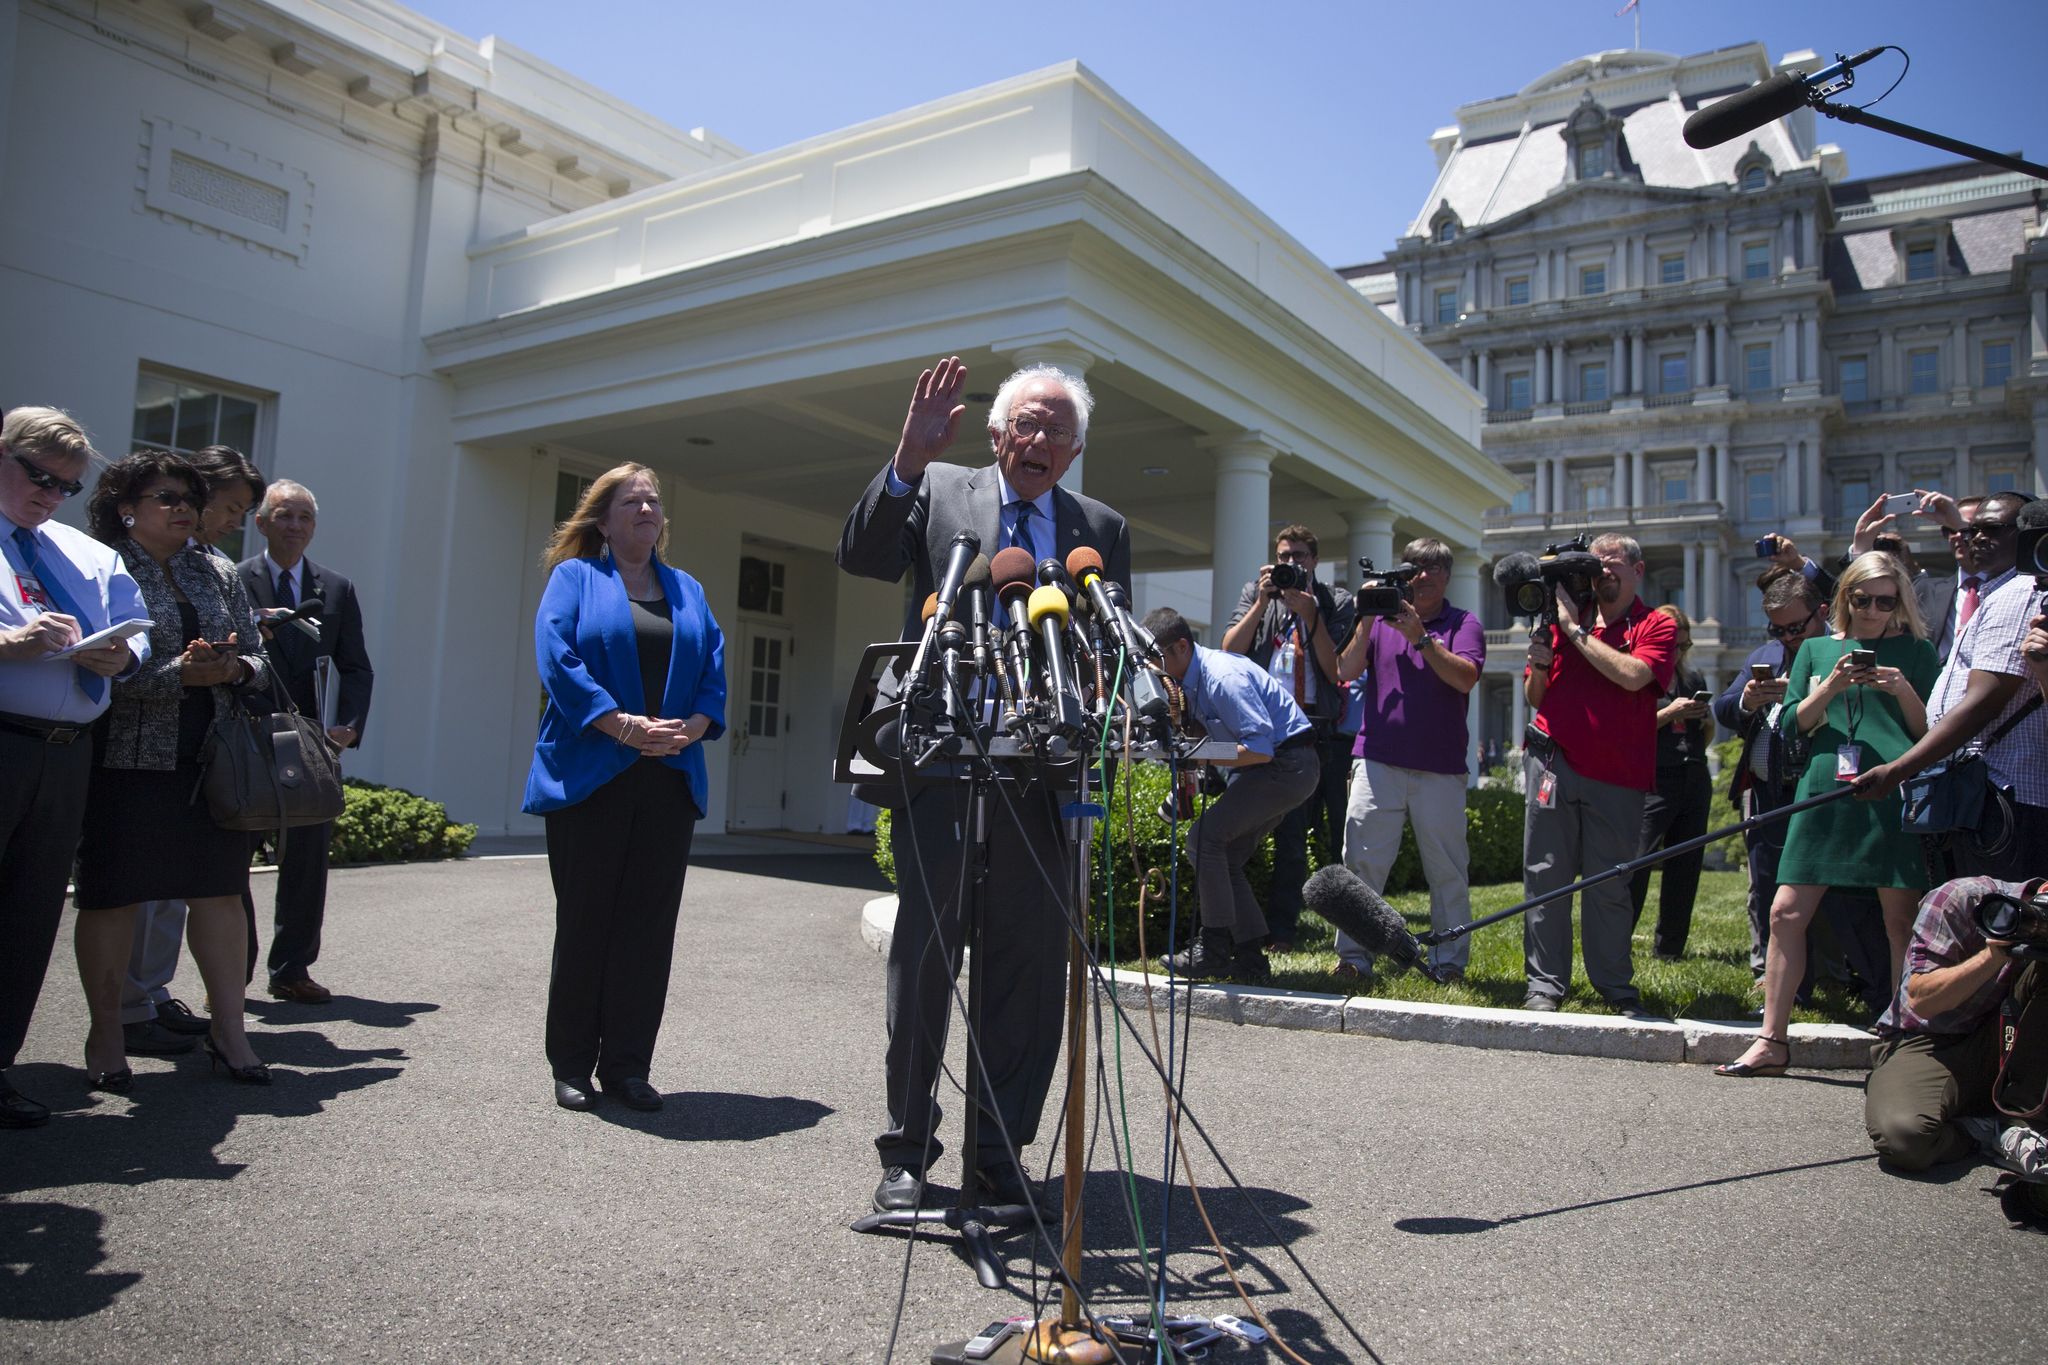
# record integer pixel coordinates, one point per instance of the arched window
(1447, 230)
(1755, 178)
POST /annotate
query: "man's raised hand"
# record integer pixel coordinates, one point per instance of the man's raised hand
(933, 419)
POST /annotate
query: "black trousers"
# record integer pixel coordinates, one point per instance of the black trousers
(617, 859)
(1024, 935)
(301, 902)
(2008, 850)
(42, 809)
(1325, 810)
(1674, 812)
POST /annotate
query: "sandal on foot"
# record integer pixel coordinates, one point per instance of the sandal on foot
(1743, 1070)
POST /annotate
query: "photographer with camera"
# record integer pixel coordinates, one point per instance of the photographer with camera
(1593, 678)
(1420, 657)
(1938, 1057)
(1980, 703)
(1292, 625)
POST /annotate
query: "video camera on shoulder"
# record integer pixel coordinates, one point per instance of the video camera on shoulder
(1531, 582)
(1382, 594)
(2022, 922)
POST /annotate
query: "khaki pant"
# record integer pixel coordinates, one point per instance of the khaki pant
(1922, 1082)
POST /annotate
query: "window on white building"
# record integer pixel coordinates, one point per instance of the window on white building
(1855, 376)
(1674, 373)
(1525, 495)
(1518, 389)
(2003, 479)
(183, 415)
(1920, 261)
(1756, 260)
(1593, 382)
(1923, 371)
(1592, 162)
(1677, 488)
(1447, 231)
(1518, 290)
(1760, 494)
(1755, 178)
(1596, 493)
(1756, 367)
(1592, 279)
(1997, 366)
(1446, 305)
(1671, 270)
(1852, 496)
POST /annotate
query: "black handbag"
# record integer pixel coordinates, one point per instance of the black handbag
(1950, 795)
(269, 771)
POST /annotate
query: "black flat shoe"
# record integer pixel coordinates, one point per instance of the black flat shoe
(18, 1110)
(580, 1096)
(256, 1073)
(635, 1093)
(901, 1190)
(1743, 1071)
(113, 1082)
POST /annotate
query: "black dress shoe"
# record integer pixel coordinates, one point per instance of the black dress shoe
(18, 1110)
(1213, 954)
(1001, 1185)
(147, 1038)
(178, 1017)
(902, 1189)
(113, 1082)
(577, 1095)
(634, 1093)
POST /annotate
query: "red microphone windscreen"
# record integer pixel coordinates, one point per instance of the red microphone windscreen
(1014, 565)
(1083, 558)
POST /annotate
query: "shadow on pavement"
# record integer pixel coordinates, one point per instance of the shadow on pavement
(346, 1009)
(856, 871)
(49, 1271)
(718, 1116)
(1454, 1225)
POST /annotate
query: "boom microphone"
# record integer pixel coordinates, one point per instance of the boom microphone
(1746, 110)
(1519, 567)
(1356, 909)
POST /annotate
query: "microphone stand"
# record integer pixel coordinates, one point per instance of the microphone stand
(1850, 114)
(1630, 868)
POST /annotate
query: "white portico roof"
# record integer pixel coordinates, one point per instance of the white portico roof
(794, 294)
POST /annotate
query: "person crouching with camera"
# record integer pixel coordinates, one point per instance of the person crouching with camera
(1938, 1057)
(1594, 680)
(1409, 764)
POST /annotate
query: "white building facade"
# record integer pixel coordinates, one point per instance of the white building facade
(443, 284)
(1698, 348)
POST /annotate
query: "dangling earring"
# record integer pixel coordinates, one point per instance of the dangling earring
(605, 551)
(128, 521)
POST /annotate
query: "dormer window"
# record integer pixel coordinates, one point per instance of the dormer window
(1447, 231)
(1755, 178)
(1595, 146)
(1920, 261)
(1592, 162)
(1443, 224)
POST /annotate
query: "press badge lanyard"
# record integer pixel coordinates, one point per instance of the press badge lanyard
(1849, 757)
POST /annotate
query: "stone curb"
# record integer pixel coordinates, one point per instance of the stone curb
(1815, 1047)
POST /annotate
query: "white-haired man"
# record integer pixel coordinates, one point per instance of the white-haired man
(1037, 427)
(280, 580)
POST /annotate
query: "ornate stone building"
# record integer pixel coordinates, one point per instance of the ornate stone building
(1701, 347)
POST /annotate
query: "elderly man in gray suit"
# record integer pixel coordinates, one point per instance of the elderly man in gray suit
(1037, 426)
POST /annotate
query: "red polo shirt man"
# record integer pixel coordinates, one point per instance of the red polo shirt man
(1591, 758)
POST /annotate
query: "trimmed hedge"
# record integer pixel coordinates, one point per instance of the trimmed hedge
(1493, 824)
(392, 825)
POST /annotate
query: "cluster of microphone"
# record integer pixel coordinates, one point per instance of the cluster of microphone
(1043, 651)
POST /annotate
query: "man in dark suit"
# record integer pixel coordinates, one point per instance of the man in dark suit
(279, 580)
(906, 519)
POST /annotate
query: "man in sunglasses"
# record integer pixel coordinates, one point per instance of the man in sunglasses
(57, 586)
(1979, 702)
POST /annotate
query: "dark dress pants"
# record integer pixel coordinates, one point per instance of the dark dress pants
(2009, 849)
(1323, 813)
(617, 859)
(301, 902)
(1024, 934)
(42, 809)
(1675, 812)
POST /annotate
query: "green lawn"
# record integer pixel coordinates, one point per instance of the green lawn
(1711, 981)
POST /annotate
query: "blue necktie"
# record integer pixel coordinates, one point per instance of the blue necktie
(89, 682)
(285, 596)
(1020, 530)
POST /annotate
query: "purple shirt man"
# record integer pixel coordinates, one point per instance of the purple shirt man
(1413, 719)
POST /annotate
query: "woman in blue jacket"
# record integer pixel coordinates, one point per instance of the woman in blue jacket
(634, 670)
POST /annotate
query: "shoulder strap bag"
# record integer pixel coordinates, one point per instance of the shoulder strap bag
(269, 772)
(1949, 795)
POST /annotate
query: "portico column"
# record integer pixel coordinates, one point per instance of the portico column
(1809, 462)
(1540, 489)
(1636, 378)
(1721, 352)
(1559, 495)
(1244, 488)
(1691, 557)
(1617, 484)
(1543, 374)
(1723, 472)
(1370, 536)
(1788, 353)
(1617, 370)
(1486, 377)
(1700, 357)
(1639, 478)
(1560, 375)
(1073, 360)
(1710, 580)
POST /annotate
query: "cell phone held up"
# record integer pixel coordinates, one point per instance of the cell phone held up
(1766, 547)
(1863, 658)
(1760, 673)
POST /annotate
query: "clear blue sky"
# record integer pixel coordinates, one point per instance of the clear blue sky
(1318, 111)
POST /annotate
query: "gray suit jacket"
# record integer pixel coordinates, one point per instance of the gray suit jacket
(1935, 595)
(886, 535)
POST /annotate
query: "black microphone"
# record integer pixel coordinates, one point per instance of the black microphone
(1137, 633)
(1012, 570)
(1746, 110)
(1348, 904)
(966, 545)
(974, 590)
(952, 646)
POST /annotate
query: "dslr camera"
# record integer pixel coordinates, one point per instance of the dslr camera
(1382, 594)
(1530, 582)
(1289, 578)
(2022, 922)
